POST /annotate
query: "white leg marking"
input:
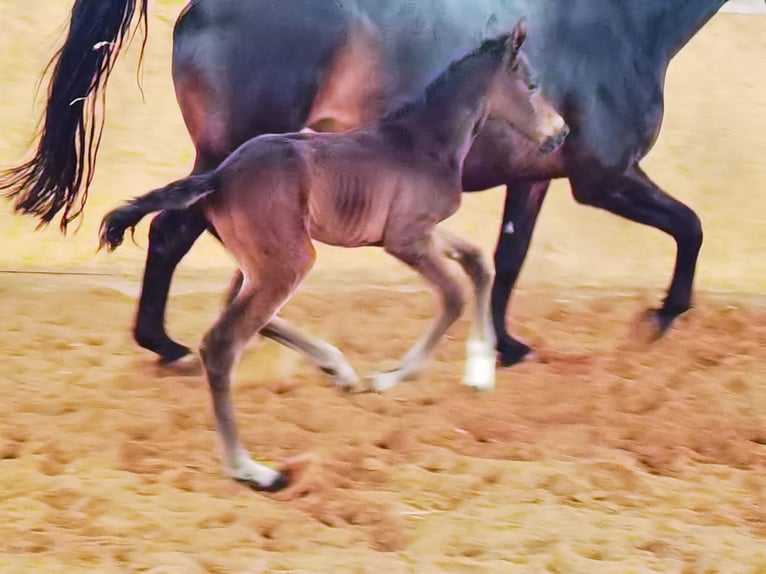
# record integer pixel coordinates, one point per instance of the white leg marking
(243, 467)
(509, 228)
(386, 381)
(480, 365)
(345, 376)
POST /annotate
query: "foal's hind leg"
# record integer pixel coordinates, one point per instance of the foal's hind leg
(480, 348)
(423, 256)
(235, 286)
(250, 311)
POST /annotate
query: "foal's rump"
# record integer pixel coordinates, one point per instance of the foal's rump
(259, 185)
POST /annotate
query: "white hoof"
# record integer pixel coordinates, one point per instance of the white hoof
(480, 366)
(245, 469)
(346, 378)
(382, 382)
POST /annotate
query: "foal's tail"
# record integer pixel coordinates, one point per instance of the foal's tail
(58, 176)
(177, 195)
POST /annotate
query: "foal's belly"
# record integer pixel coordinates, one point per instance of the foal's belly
(345, 222)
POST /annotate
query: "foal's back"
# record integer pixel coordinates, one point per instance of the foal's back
(351, 188)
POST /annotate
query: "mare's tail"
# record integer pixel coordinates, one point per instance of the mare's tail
(57, 178)
(177, 195)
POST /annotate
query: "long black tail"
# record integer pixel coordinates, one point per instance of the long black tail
(177, 195)
(60, 173)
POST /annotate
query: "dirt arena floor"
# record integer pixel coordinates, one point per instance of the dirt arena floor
(602, 456)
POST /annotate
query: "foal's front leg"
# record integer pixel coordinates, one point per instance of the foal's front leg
(423, 256)
(480, 348)
(325, 356)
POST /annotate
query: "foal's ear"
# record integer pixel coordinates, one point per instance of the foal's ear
(516, 41)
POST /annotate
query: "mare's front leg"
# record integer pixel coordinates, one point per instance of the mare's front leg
(423, 255)
(480, 347)
(635, 197)
(171, 236)
(522, 207)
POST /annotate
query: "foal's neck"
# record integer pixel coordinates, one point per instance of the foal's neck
(445, 121)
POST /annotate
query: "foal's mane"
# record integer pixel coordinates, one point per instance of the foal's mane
(490, 48)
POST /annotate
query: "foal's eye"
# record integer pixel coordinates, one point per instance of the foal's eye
(533, 88)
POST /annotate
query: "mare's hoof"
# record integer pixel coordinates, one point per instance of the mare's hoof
(513, 352)
(169, 353)
(663, 321)
(652, 325)
(187, 364)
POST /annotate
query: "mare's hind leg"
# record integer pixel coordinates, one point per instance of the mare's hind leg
(278, 275)
(480, 348)
(424, 256)
(636, 197)
(171, 236)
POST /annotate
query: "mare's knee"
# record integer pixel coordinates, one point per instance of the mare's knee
(690, 235)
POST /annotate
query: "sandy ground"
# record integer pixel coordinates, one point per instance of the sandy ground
(601, 456)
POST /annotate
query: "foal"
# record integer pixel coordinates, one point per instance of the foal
(386, 184)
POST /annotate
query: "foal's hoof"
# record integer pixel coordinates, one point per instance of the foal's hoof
(280, 483)
(385, 381)
(346, 379)
(259, 476)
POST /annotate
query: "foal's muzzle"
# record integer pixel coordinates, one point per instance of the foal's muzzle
(552, 143)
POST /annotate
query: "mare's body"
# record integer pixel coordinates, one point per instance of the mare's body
(248, 67)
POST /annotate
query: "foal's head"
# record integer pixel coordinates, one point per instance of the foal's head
(517, 99)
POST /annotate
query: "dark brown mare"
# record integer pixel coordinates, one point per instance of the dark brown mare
(387, 184)
(247, 67)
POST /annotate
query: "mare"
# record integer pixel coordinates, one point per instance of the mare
(247, 67)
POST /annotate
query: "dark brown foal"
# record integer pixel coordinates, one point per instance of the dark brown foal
(387, 184)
